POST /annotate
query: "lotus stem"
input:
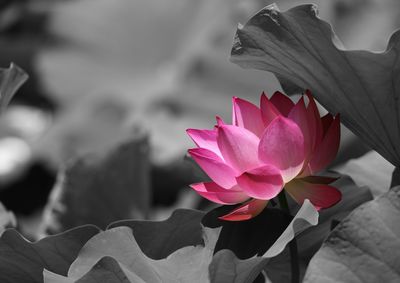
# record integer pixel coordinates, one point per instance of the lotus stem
(294, 257)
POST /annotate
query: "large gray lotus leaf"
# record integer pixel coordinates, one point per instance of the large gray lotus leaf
(364, 247)
(120, 255)
(188, 264)
(298, 47)
(23, 262)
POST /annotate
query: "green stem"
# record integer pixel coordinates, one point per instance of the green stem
(294, 259)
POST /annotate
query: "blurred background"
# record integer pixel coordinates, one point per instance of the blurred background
(106, 72)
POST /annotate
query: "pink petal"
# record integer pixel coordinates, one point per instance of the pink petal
(320, 195)
(246, 211)
(217, 194)
(214, 167)
(268, 110)
(205, 139)
(220, 122)
(247, 115)
(238, 147)
(282, 145)
(314, 121)
(299, 115)
(261, 183)
(282, 103)
(326, 151)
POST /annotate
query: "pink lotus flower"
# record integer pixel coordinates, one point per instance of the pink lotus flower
(280, 145)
